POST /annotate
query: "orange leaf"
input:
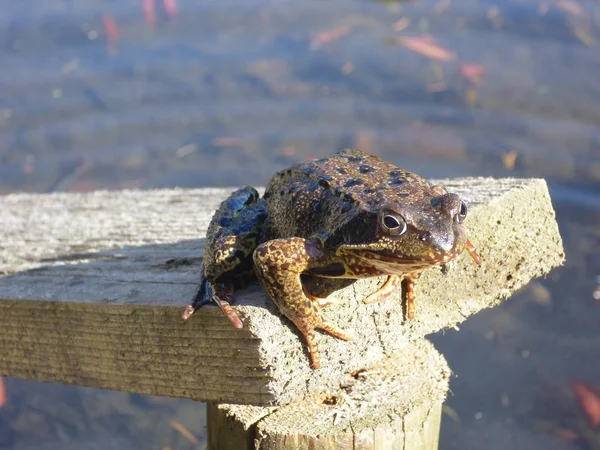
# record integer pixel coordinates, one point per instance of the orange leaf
(2, 393)
(328, 36)
(347, 68)
(401, 24)
(112, 31)
(473, 73)
(509, 159)
(572, 7)
(439, 86)
(149, 12)
(565, 434)
(170, 7)
(584, 35)
(185, 432)
(441, 6)
(588, 398)
(425, 46)
(227, 142)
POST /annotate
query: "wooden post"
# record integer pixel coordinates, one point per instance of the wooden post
(395, 404)
(92, 287)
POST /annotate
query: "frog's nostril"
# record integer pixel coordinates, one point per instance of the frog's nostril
(426, 236)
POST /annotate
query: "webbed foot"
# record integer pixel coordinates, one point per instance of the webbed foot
(221, 295)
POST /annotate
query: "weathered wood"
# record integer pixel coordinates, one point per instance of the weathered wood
(392, 405)
(93, 287)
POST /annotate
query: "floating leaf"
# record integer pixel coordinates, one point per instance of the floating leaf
(170, 7)
(495, 16)
(186, 150)
(572, 7)
(70, 66)
(347, 68)
(439, 86)
(112, 31)
(401, 24)
(185, 432)
(471, 97)
(565, 434)
(149, 12)
(425, 46)
(441, 6)
(473, 73)
(450, 412)
(509, 158)
(588, 399)
(227, 142)
(328, 36)
(2, 393)
(584, 35)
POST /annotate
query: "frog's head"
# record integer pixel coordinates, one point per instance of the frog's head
(405, 236)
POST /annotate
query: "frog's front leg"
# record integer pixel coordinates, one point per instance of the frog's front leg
(385, 290)
(392, 283)
(278, 264)
(411, 279)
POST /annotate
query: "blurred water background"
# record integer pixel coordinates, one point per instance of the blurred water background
(101, 94)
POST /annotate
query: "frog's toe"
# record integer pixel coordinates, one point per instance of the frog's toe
(221, 295)
(225, 305)
(187, 313)
(200, 299)
(336, 331)
(385, 290)
(473, 251)
(324, 302)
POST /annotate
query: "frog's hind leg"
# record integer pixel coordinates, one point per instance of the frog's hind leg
(220, 294)
(278, 264)
(233, 234)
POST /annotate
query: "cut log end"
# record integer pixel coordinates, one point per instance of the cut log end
(394, 404)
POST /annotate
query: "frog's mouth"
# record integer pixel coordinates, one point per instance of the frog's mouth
(390, 259)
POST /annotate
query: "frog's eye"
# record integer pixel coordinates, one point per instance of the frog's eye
(462, 213)
(393, 224)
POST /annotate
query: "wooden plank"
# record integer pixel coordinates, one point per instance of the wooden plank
(391, 405)
(93, 286)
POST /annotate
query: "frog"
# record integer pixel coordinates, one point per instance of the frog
(344, 217)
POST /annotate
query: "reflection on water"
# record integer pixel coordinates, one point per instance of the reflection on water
(98, 94)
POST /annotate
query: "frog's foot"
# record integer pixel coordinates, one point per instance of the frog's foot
(473, 252)
(221, 295)
(385, 290)
(278, 265)
(311, 339)
(324, 302)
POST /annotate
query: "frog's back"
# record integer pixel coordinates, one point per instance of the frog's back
(325, 194)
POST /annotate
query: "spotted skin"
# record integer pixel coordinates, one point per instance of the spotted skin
(345, 217)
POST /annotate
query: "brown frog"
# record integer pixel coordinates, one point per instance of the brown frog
(349, 216)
